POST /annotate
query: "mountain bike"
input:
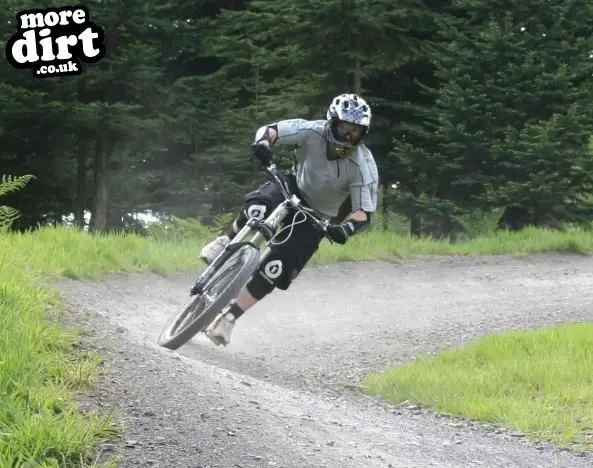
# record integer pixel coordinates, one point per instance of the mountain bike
(224, 278)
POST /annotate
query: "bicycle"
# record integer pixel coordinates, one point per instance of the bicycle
(247, 254)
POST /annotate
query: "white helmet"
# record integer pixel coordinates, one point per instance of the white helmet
(349, 108)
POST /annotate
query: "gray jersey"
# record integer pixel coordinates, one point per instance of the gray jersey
(325, 184)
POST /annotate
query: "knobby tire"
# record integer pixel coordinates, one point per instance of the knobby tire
(247, 257)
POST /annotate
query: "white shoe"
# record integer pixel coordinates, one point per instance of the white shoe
(220, 331)
(212, 250)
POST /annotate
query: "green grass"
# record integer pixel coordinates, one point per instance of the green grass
(384, 245)
(55, 252)
(376, 244)
(42, 369)
(539, 382)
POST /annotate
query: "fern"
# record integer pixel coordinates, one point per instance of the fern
(8, 216)
(222, 220)
(8, 184)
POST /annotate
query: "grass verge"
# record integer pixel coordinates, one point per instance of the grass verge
(385, 245)
(41, 369)
(380, 245)
(539, 382)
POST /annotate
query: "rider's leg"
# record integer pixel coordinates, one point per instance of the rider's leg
(282, 266)
(257, 204)
(220, 331)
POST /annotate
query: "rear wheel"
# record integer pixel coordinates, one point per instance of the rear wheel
(199, 310)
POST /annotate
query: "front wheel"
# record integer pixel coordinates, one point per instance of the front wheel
(201, 309)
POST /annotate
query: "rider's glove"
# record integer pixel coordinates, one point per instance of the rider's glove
(262, 153)
(340, 233)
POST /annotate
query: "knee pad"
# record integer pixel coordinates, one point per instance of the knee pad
(259, 287)
(252, 209)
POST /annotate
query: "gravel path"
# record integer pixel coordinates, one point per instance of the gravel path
(279, 395)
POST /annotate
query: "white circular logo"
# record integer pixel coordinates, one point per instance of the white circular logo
(256, 211)
(273, 269)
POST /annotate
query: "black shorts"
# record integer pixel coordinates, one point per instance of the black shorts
(285, 261)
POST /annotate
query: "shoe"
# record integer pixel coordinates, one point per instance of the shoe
(212, 250)
(220, 331)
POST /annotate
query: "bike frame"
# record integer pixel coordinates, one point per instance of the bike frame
(265, 230)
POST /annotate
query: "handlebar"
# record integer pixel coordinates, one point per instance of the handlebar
(318, 219)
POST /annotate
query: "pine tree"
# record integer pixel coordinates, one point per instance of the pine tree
(513, 117)
(284, 61)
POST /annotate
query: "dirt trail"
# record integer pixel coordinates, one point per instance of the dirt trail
(276, 397)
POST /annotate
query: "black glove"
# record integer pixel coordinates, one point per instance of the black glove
(339, 233)
(262, 153)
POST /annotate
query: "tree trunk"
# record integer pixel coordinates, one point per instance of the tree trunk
(385, 208)
(101, 199)
(357, 69)
(81, 183)
(416, 226)
(514, 219)
(115, 220)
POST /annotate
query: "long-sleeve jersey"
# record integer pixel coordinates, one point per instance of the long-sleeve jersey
(325, 184)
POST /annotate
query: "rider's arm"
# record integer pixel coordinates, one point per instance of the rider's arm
(363, 196)
(358, 221)
(291, 131)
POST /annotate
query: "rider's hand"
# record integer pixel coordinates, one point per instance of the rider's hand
(263, 153)
(339, 233)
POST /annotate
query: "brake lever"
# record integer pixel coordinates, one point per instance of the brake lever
(273, 170)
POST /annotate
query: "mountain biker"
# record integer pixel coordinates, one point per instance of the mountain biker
(333, 172)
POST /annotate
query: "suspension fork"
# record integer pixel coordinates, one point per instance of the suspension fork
(198, 287)
(269, 227)
(265, 230)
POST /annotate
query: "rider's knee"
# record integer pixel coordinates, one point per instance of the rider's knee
(259, 286)
(257, 209)
(259, 203)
